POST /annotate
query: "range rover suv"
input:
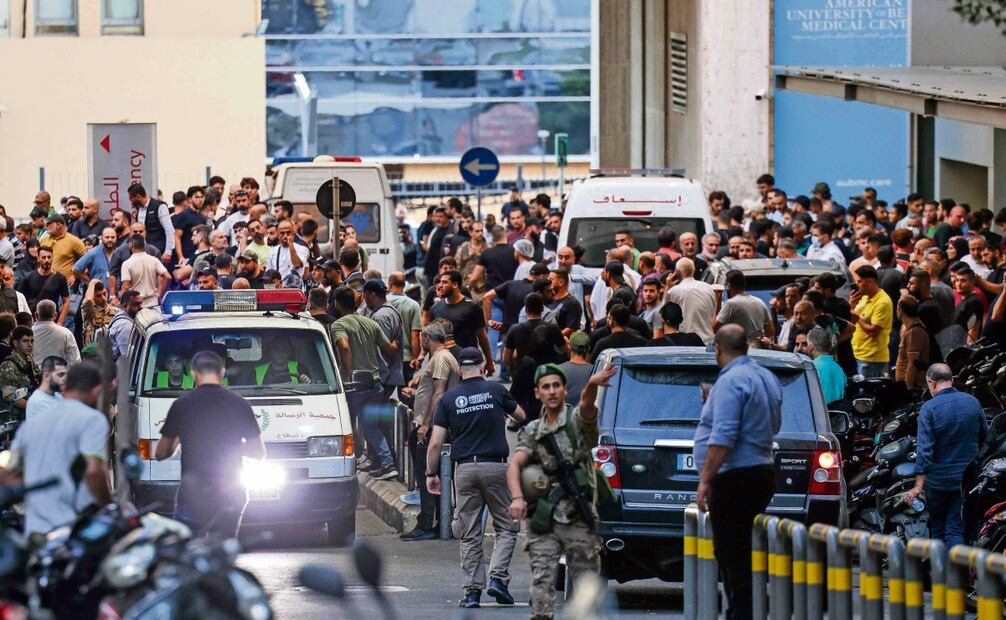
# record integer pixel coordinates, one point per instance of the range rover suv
(648, 418)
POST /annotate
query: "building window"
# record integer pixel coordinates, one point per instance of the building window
(56, 17)
(4, 19)
(679, 72)
(121, 16)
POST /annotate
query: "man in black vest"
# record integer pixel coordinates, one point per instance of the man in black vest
(156, 216)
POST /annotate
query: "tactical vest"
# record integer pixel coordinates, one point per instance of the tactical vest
(156, 235)
(163, 380)
(262, 369)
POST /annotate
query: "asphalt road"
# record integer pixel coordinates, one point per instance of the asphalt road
(422, 579)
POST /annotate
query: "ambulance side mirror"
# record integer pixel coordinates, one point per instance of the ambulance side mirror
(360, 381)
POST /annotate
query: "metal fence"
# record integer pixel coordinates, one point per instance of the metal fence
(799, 572)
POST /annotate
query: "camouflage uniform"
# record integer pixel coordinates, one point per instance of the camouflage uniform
(569, 535)
(95, 318)
(16, 372)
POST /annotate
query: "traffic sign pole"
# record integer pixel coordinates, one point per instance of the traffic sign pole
(561, 151)
(335, 215)
(479, 166)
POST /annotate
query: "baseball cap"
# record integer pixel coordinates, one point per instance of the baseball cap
(248, 255)
(753, 206)
(470, 356)
(821, 188)
(615, 267)
(524, 247)
(375, 286)
(356, 281)
(539, 269)
(55, 218)
(330, 264)
(579, 340)
(549, 369)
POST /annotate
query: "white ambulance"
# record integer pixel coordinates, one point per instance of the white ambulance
(599, 206)
(298, 179)
(308, 475)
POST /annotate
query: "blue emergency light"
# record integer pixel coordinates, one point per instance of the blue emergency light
(177, 303)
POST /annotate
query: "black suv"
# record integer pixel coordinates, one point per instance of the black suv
(648, 418)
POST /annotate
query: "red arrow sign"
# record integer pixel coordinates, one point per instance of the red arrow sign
(106, 143)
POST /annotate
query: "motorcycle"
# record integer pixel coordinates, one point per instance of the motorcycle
(868, 402)
(184, 579)
(14, 550)
(876, 491)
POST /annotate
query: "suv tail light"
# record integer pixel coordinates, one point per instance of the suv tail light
(606, 462)
(826, 473)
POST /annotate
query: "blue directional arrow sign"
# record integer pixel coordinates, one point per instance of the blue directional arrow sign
(479, 166)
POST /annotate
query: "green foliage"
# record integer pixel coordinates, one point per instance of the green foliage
(980, 11)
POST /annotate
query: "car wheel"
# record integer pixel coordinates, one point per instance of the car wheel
(341, 533)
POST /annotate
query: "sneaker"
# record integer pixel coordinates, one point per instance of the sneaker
(387, 474)
(471, 599)
(419, 534)
(366, 465)
(498, 590)
(410, 499)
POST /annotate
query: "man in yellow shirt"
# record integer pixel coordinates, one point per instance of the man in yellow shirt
(873, 316)
(66, 248)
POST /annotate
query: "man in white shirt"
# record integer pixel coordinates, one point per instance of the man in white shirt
(698, 300)
(288, 257)
(49, 392)
(52, 339)
(144, 274)
(822, 247)
(974, 259)
(243, 204)
(160, 228)
(601, 292)
(6, 247)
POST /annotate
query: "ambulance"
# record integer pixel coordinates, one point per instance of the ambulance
(297, 180)
(281, 361)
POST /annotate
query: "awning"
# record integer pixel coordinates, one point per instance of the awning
(971, 94)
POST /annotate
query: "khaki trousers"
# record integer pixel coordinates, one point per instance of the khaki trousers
(477, 485)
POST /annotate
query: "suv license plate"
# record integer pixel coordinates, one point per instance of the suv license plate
(263, 494)
(686, 462)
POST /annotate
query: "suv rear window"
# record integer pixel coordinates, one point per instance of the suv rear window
(597, 235)
(642, 386)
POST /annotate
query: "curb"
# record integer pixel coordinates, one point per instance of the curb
(382, 498)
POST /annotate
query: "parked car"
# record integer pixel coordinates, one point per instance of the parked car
(764, 276)
(648, 418)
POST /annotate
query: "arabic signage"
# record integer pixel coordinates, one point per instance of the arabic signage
(621, 200)
(118, 155)
(848, 145)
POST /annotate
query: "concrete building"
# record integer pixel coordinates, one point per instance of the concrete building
(193, 67)
(682, 85)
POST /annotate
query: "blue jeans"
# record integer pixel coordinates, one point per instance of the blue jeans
(367, 408)
(495, 337)
(872, 370)
(945, 520)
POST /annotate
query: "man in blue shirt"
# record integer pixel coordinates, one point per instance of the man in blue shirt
(95, 263)
(830, 374)
(952, 427)
(733, 452)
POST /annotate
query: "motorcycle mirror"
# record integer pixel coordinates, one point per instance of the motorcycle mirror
(323, 579)
(840, 422)
(132, 464)
(368, 564)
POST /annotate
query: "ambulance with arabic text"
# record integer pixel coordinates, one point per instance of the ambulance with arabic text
(281, 361)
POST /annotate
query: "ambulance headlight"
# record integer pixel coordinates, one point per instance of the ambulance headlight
(257, 474)
(324, 446)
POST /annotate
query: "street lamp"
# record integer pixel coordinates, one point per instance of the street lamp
(543, 135)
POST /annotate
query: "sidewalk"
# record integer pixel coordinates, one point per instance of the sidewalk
(382, 498)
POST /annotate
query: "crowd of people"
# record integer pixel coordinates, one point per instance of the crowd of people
(906, 282)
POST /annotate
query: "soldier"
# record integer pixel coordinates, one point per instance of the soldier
(19, 374)
(557, 523)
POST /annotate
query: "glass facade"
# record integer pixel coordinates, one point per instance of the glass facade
(400, 78)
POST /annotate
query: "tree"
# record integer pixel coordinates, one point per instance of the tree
(980, 11)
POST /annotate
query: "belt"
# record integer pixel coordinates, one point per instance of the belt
(481, 459)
